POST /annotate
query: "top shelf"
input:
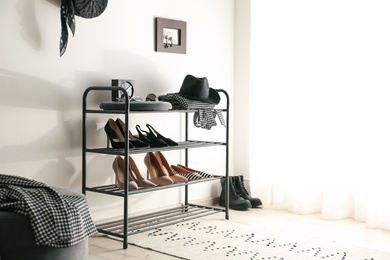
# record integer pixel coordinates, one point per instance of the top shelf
(101, 111)
(127, 103)
(181, 145)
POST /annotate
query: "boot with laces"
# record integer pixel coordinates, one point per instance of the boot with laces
(235, 200)
(239, 184)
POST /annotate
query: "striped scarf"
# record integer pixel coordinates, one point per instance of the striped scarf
(205, 115)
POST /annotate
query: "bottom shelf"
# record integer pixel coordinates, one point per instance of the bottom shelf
(157, 219)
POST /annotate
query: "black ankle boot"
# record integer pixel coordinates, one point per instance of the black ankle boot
(235, 200)
(239, 184)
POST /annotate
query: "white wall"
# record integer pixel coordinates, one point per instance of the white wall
(40, 92)
(242, 60)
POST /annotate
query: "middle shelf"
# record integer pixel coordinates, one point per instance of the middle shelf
(113, 190)
(180, 146)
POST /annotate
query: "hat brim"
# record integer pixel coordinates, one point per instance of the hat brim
(213, 97)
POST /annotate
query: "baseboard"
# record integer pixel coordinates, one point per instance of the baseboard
(210, 201)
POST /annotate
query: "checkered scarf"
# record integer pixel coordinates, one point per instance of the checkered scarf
(57, 220)
(205, 115)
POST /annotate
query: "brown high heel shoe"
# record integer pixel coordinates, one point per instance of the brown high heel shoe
(134, 174)
(141, 182)
(167, 170)
(155, 172)
(119, 168)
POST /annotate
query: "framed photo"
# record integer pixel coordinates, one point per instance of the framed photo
(171, 36)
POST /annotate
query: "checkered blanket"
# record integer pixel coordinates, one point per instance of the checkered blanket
(57, 220)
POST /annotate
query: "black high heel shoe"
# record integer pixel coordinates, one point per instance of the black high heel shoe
(137, 143)
(169, 141)
(115, 136)
(150, 138)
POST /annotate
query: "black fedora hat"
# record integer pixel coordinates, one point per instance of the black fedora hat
(198, 89)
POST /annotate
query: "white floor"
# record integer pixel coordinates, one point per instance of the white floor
(345, 231)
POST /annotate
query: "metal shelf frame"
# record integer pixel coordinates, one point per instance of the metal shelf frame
(129, 226)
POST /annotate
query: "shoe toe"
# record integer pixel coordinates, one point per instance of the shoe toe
(133, 185)
(255, 202)
(164, 180)
(240, 204)
(177, 178)
(138, 144)
(145, 184)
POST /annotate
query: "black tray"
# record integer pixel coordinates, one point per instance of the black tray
(137, 105)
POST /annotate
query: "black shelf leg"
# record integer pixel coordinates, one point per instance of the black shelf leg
(227, 153)
(186, 163)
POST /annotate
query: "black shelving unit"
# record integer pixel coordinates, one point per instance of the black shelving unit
(129, 226)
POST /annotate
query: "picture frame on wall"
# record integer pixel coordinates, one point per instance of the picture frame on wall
(171, 36)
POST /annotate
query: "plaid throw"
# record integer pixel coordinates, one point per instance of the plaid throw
(57, 220)
(205, 115)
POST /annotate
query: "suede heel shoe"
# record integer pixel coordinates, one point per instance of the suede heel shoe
(168, 141)
(155, 173)
(167, 170)
(150, 138)
(136, 142)
(119, 169)
(136, 176)
(115, 136)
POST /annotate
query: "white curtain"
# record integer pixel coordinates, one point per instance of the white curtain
(320, 107)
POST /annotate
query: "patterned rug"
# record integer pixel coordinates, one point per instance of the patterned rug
(222, 239)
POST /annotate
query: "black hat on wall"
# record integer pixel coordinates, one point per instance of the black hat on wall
(82, 8)
(89, 8)
(198, 89)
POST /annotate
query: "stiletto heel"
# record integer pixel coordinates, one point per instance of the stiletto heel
(115, 136)
(136, 142)
(167, 170)
(134, 172)
(119, 169)
(155, 172)
(150, 138)
(169, 141)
